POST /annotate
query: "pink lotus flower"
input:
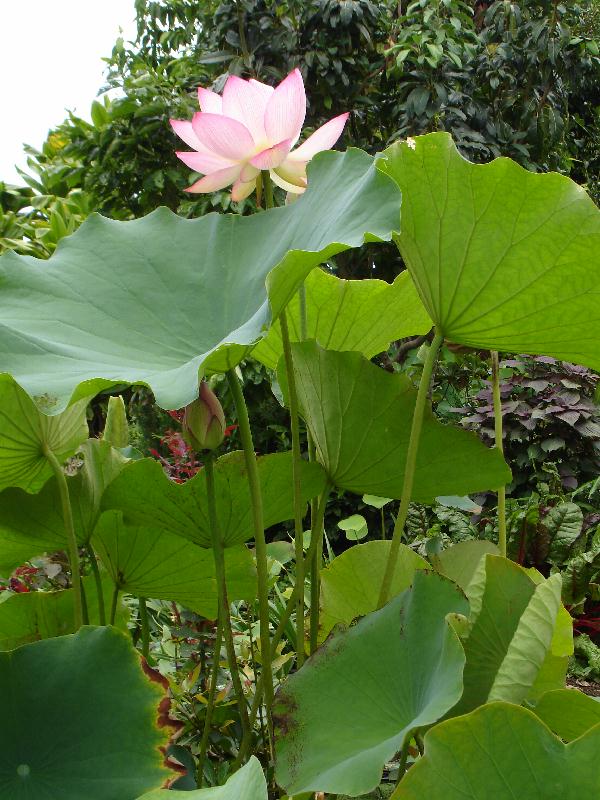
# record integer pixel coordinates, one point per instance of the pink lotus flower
(252, 127)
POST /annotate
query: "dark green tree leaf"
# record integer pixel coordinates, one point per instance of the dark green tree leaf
(563, 523)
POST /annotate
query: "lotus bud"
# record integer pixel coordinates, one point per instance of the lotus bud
(204, 421)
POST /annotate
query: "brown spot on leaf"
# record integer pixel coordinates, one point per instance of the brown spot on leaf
(154, 674)
(283, 710)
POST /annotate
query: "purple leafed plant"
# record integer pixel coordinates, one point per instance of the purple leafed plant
(549, 415)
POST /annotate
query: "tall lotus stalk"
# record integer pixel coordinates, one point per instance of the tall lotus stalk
(317, 523)
(224, 612)
(247, 139)
(296, 468)
(409, 468)
(259, 537)
(296, 460)
(499, 445)
(204, 429)
(212, 694)
(72, 546)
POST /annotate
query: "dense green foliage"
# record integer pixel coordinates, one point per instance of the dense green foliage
(438, 657)
(504, 78)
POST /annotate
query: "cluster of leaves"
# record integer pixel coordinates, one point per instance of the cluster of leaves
(34, 220)
(553, 532)
(586, 660)
(182, 649)
(550, 416)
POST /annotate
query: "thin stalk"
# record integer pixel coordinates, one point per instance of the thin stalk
(499, 446)
(263, 731)
(315, 588)
(409, 467)
(404, 757)
(312, 456)
(296, 469)
(419, 743)
(315, 566)
(224, 615)
(113, 605)
(259, 183)
(303, 316)
(84, 606)
(259, 535)
(67, 513)
(330, 553)
(268, 188)
(382, 523)
(212, 693)
(98, 582)
(283, 621)
(143, 611)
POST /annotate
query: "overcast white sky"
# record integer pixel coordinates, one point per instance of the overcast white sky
(51, 59)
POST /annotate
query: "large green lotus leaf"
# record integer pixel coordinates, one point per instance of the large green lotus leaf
(31, 526)
(350, 315)
(146, 496)
(79, 720)
(511, 629)
(568, 713)
(460, 561)
(157, 300)
(553, 672)
(350, 584)
(31, 616)
(502, 752)
(346, 712)
(149, 562)
(248, 783)
(25, 432)
(360, 418)
(530, 644)
(551, 677)
(503, 258)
